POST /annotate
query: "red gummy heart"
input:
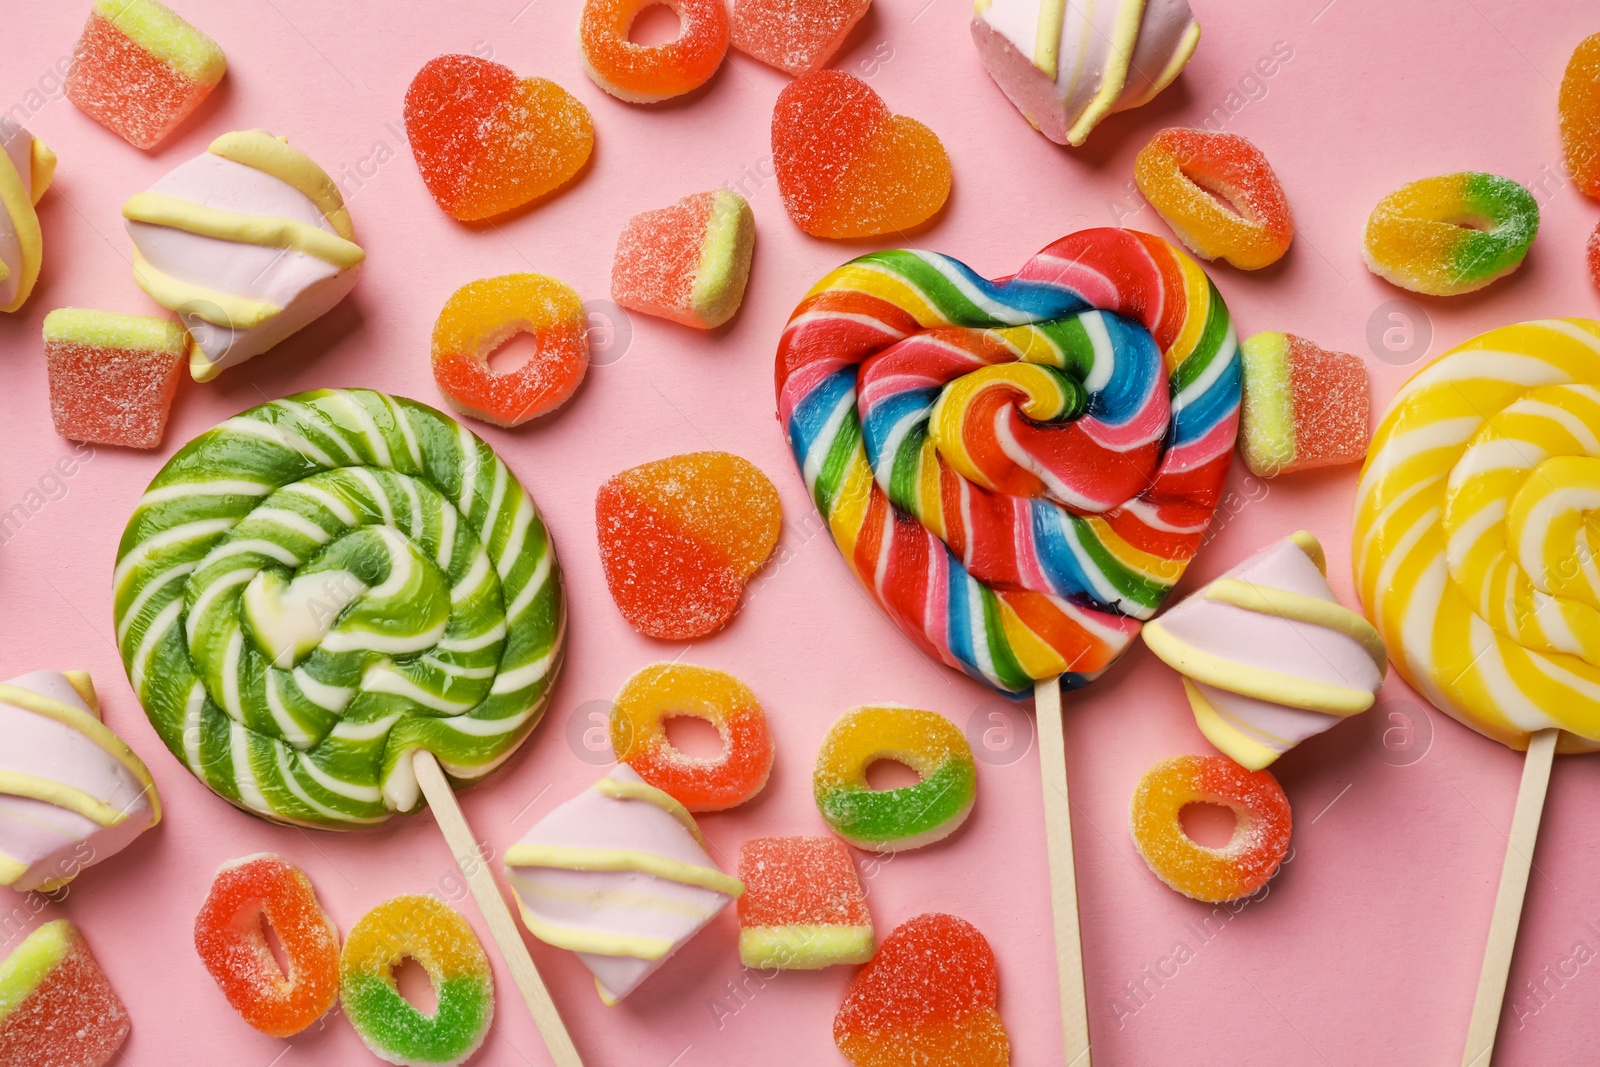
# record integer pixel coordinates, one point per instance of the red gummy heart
(927, 998)
(847, 166)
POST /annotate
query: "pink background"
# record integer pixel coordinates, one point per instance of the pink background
(1366, 948)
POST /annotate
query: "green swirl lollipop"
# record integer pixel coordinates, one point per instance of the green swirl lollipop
(317, 589)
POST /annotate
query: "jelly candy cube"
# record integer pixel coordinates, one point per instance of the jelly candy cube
(112, 376)
(139, 69)
(1304, 406)
(803, 906)
(56, 1007)
(688, 262)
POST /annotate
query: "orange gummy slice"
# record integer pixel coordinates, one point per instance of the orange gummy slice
(487, 142)
(681, 536)
(797, 36)
(1580, 115)
(847, 166)
(928, 997)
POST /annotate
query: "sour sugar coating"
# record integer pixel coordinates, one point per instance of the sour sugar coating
(930, 997)
(846, 166)
(249, 896)
(639, 737)
(688, 262)
(803, 906)
(72, 793)
(1017, 471)
(680, 537)
(317, 588)
(1182, 172)
(1473, 540)
(1260, 833)
(893, 820)
(1304, 406)
(1269, 655)
(248, 242)
(112, 376)
(647, 73)
(1067, 66)
(796, 36)
(1579, 102)
(56, 1007)
(621, 875)
(487, 142)
(1593, 255)
(483, 315)
(443, 944)
(139, 69)
(1451, 234)
(26, 167)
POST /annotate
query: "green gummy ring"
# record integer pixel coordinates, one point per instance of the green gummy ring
(440, 940)
(428, 578)
(892, 820)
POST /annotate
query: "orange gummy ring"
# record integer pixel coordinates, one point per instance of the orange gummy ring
(1237, 869)
(643, 74)
(483, 315)
(664, 690)
(266, 890)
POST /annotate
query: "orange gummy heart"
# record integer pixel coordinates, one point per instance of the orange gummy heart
(488, 142)
(847, 166)
(681, 536)
(929, 997)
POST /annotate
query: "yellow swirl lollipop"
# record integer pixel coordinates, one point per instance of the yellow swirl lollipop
(1477, 520)
(1476, 532)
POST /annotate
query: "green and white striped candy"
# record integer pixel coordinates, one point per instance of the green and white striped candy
(318, 587)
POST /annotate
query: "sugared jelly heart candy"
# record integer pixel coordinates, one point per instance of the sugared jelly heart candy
(1580, 115)
(846, 166)
(798, 36)
(488, 142)
(679, 538)
(928, 998)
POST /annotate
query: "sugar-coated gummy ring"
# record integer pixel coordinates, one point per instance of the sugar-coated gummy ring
(892, 820)
(1260, 834)
(1473, 546)
(320, 586)
(1451, 234)
(252, 893)
(1017, 470)
(441, 941)
(483, 315)
(638, 735)
(1180, 169)
(643, 74)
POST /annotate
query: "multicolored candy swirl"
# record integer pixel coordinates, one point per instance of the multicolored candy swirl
(1017, 470)
(318, 587)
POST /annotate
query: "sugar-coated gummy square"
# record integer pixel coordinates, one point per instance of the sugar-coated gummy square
(688, 262)
(112, 376)
(56, 1007)
(139, 69)
(803, 906)
(1303, 407)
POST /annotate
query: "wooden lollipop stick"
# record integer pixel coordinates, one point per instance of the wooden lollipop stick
(513, 950)
(1508, 899)
(1063, 872)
